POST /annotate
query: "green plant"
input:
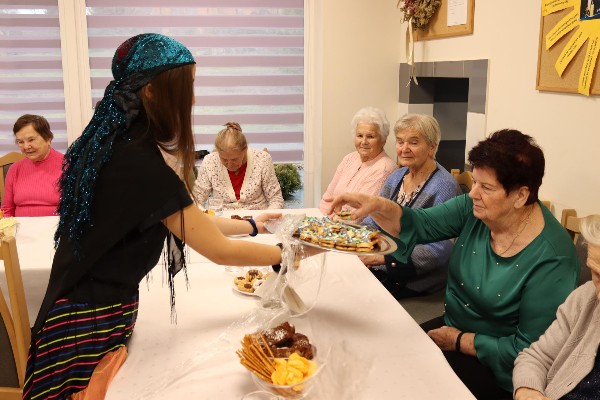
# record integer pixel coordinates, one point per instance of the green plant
(289, 179)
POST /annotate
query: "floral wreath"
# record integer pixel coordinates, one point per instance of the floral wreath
(419, 11)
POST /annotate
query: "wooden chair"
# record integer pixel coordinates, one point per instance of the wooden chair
(571, 226)
(571, 223)
(547, 204)
(15, 331)
(5, 162)
(465, 181)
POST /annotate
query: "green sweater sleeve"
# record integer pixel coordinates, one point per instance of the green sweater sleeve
(427, 225)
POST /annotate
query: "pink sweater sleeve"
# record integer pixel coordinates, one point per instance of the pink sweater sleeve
(354, 176)
(380, 172)
(8, 203)
(324, 205)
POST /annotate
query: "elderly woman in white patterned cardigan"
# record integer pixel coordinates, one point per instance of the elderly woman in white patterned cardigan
(241, 176)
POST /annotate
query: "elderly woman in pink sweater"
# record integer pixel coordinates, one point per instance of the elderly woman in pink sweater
(366, 169)
(31, 189)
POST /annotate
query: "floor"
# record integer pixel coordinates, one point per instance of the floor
(297, 200)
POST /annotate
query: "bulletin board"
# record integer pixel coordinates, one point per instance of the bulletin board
(438, 28)
(568, 47)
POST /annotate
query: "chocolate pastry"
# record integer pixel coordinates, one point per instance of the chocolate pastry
(246, 287)
(253, 274)
(302, 346)
(284, 341)
(280, 334)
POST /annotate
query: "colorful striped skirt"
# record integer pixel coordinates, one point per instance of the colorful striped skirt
(75, 337)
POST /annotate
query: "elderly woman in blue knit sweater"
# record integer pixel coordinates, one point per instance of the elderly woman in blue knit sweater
(420, 183)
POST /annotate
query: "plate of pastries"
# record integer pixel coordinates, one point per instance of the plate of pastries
(282, 361)
(343, 237)
(249, 282)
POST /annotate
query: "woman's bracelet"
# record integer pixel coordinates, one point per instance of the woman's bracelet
(457, 345)
(254, 228)
(277, 267)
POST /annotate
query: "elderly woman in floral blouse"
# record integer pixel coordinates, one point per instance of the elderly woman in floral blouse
(241, 176)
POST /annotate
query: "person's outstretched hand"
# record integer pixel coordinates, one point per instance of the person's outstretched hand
(264, 217)
(363, 204)
(384, 212)
(524, 393)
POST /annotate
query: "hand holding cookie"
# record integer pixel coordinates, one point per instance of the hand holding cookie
(344, 215)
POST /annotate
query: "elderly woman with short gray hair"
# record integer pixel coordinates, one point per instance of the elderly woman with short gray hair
(366, 169)
(421, 182)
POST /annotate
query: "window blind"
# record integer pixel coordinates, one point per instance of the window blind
(31, 78)
(250, 62)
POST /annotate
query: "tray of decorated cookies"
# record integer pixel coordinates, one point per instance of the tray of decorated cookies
(342, 237)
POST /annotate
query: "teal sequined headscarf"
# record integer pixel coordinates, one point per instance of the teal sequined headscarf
(136, 62)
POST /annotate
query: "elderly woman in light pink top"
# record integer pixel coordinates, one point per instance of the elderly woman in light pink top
(366, 169)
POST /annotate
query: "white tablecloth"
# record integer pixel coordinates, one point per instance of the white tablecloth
(35, 246)
(377, 350)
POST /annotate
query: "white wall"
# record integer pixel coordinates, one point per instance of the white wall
(360, 60)
(363, 44)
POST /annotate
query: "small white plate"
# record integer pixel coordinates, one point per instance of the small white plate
(255, 286)
(235, 289)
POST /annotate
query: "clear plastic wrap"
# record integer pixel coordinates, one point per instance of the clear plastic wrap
(286, 296)
(298, 283)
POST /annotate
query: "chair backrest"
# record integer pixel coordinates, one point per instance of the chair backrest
(465, 180)
(5, 162)
(15, 331)
(547, 204)
(571, 223)
(573, 227)
(200, 154)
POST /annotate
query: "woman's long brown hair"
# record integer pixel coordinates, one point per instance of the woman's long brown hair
(169, 111)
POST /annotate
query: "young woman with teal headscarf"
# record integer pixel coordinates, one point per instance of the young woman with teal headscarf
(120, 204)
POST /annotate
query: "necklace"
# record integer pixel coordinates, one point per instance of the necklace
(404, 198)
(527, 221)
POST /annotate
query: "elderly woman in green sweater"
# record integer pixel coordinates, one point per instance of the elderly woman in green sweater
(564, 364)
(512, 264)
